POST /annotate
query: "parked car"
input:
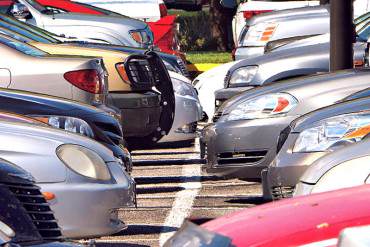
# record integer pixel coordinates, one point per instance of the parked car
(298, 149)
(74, 172)
(163, 26)
(19, 225)
(113, 30)
(188, 111)
(78, 78)
(70, 116)
(247, 9)
(315, 220)
(207, 84)
(279, 65)
(278, 25)
(343, 168)
(242, 140)
(131, 86)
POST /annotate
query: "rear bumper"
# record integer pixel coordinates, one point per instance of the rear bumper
(140, 112)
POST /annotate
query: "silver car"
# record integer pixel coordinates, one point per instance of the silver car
(25, 67)
(188, 111)
(279, 65)
(243, 139)
(82, 180)
(346, 167)
(313, 136)
(278, 25)
(113, 30)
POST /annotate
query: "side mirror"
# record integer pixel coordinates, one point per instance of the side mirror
(230, 4)
(20, 11)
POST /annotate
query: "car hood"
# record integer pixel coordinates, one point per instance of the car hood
(65, 19)
(289, 13)
(218, 73)
(317, 169)
(347, 107)
(317, 217)
(318, 39)
(33, 148)
(308, 87)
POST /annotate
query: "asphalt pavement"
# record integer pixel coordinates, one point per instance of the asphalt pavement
(172, 188)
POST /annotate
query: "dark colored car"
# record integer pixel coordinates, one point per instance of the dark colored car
(192, 5)
(25, 216)
(69, 115)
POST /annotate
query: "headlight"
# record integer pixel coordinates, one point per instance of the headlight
(71, 124)
(83, 161)
(348, 174)
(243, 75)
(261, 32)
(143, 37)
(6, 230)
(266, 106)
(332, 132)
(183, 88)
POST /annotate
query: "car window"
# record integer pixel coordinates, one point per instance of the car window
(23, 28)
(22, 47)
(357, 95)
(30, 35)
(36, 5)
(364, 34)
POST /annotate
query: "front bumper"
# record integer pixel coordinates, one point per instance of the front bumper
(87, 209)
(242, 148)
(249, 52)
(188, 112)
(287, 168)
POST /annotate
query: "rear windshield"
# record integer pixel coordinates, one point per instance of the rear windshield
(22, 47)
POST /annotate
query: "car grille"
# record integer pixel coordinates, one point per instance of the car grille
(139, 71)
(246, 158)
(38, 210)
(281, 192)
(183, 68)
(282, 138)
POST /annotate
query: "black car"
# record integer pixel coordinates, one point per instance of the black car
(70, 115)
(25, 217)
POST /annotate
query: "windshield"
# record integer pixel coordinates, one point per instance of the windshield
(29, 30)
(37, 6)
(22, 47)
(14, 35)
(103, 11)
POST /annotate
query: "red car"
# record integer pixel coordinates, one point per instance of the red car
(164, 30)
(314, 220)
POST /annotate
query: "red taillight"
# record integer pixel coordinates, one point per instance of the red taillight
(88, 80)
(249, 14)
(163, 9)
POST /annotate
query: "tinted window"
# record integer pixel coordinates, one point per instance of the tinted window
(361, 94)
(22, 47)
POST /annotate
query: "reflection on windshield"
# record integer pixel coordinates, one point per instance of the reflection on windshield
(36, 5)
(22, 47)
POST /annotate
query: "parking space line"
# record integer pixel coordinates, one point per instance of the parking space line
(182, 206)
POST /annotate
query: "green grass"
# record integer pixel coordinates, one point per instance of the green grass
(208, 57)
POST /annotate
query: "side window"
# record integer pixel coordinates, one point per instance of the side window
(361, 94)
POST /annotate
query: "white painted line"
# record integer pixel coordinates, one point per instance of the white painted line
(182, 206)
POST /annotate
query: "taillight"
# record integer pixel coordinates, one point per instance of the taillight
(163, 9)
(122, 72)
(250, 13)
(87, 79)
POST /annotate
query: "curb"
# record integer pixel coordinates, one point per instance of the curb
(201, 67)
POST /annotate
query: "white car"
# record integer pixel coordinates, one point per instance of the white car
(146, 10)
(188, 111)
(207, 84)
